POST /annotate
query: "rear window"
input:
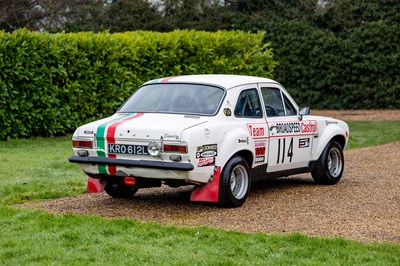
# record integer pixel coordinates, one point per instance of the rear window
(175, 98)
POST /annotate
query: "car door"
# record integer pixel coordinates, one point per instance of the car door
(290, 137)
(249, 112)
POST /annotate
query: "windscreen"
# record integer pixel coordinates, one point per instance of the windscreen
(175, 98)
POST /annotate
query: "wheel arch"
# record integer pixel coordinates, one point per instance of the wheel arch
(236, 142)
(247, 156)
(339, 138)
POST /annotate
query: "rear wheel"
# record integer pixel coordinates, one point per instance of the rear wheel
(330, 165)
(117, 189)
(234, 183)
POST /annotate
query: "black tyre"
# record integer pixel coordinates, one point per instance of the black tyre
(117, 189)
(234, 183)
(330, 165)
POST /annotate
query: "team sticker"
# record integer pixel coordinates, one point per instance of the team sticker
(304, 143)
(260, 147)
(206, 154)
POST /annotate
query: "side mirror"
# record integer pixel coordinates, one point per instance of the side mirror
(303, 111)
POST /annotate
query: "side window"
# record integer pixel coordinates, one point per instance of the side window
(273, 101)
(248, 104)
(290, 110)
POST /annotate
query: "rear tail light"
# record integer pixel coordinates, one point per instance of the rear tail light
(82, 143)
(175, 148)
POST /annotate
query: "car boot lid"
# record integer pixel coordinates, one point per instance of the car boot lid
(141, 126)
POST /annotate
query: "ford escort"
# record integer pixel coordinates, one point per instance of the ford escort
(218, 133)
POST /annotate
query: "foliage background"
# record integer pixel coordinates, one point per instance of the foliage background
(326, 71)
(52, 83)
(332, 54)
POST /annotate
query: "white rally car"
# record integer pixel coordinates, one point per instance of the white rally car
(217, 132)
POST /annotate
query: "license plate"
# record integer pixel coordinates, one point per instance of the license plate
(127, 149)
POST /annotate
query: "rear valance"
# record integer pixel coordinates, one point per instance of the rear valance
(132, 163)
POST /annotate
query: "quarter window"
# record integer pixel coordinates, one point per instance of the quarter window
(248, 104)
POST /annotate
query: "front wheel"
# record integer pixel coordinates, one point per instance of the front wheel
(117, 189)
(234, 183)
(330, 165)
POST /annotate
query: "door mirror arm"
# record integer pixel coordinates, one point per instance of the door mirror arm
(303, 111)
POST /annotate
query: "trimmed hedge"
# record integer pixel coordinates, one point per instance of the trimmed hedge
(52, 83)
(355, 70)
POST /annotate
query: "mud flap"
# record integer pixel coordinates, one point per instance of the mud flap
(208, 192)
(94, 185)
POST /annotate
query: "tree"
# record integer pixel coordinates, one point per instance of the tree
(344, 15)
(129, 15)
(74, 15)
(19, 14)
(192, 14)
(274, 9)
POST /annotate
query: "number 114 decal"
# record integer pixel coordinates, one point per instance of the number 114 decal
(282, 151)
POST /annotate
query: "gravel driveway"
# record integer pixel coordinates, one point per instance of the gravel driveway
(363, 206)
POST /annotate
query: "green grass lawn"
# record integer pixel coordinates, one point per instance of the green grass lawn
(371, 133)
(37, 169)
(34, 237)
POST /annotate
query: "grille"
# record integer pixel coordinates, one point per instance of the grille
(192, 116)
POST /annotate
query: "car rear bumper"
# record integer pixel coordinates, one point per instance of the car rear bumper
(131, 163)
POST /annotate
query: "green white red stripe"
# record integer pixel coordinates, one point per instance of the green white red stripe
(105, 134)
(164, 79)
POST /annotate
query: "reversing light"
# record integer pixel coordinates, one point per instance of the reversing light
(175, 158)
(175, 148)
(82, 143)
(153, 148)
(83, 153)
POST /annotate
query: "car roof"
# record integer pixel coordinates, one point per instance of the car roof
(222, 80)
